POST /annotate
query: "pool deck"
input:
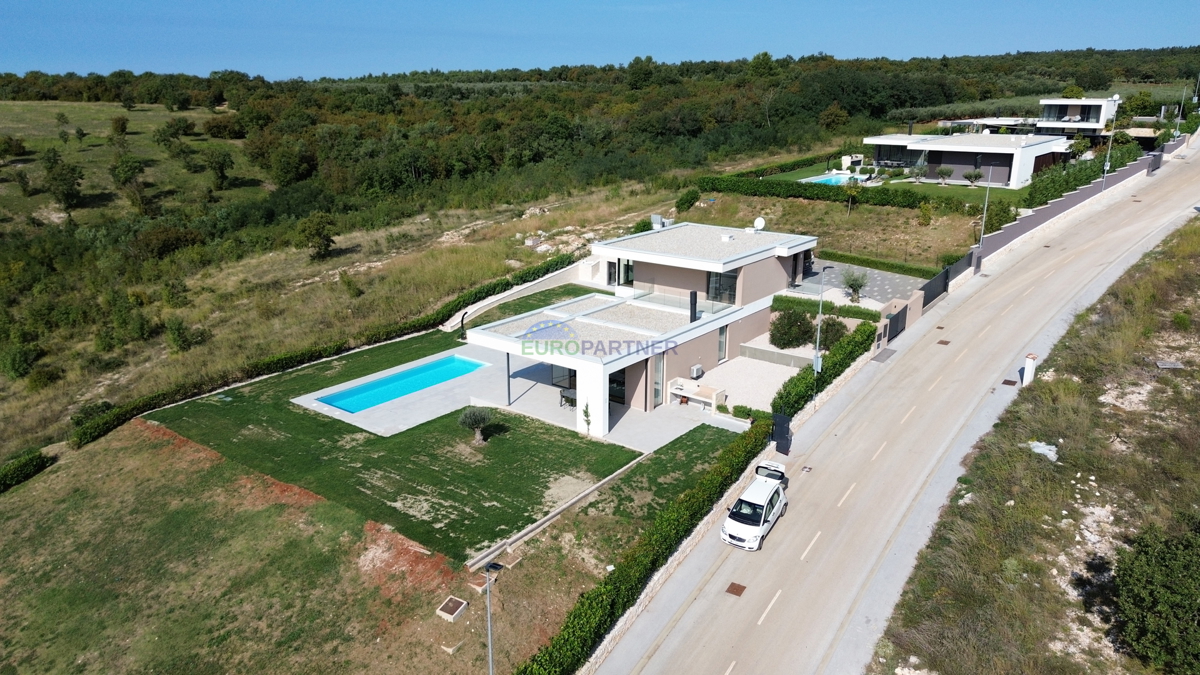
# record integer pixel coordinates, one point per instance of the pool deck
(532, 395)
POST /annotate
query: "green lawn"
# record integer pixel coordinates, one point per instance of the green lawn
(806, 172)
(427, 482)
(963, 192)
(531, 302)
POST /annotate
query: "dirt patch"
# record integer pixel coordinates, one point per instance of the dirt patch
(259, 491)
(398, 565)
(563, 488)
(354, 440)
(194, 455)
(1133, 397)
(463, 453)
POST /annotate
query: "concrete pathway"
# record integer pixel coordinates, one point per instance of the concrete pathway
(885, 452)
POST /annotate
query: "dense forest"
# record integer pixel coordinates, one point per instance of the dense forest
(373, 149)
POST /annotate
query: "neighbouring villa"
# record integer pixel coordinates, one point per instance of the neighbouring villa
(1012, 159)
(684, 295)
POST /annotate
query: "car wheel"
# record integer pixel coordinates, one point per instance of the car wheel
(784, 511)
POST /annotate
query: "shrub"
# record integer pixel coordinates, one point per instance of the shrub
(90, 411)
(23, 468)
(316, 232)
(784, 167)
(1157, 591)
(798, 390)
(174, 294)
(832, 331)
(119, 125)
(1182, 321)
(598, 609)
(687, 200)
(17, 359)
(722, 408)
(181, 337)
(643, 225)
(224, 126)
(475, 418)
(42, 376)
(884, 265)
(741, 412)
(877, 196)
(810, 307)
(1057, 180)
(350, 286)
(791, 328)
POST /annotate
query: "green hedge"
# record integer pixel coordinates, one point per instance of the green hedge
(784, 167)
(782, 302)
(1058, 179)
(797, 391)
(597, 610)
(101, 425)
(877, 196)
(23, 468)
(883, 265)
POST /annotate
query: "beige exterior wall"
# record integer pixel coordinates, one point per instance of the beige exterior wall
(763, 278)
(669, 280)
(745, 330)
(702, 350)
(637, 386)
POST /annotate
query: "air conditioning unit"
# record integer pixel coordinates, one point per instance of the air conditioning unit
(697, 371)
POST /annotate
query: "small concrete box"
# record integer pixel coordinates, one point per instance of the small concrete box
(452, 608)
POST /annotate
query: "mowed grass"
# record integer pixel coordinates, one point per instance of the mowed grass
(1010, 573)
(964, 192)
(428, 482)
(531, 302)
(138, 556)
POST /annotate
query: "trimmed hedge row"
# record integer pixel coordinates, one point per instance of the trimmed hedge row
(877, 196)
(782, 302)
(102, 424)
(23, 468)
(784, 167)
(906, 269)
(1058, 179)
(798, 390)
(597, 610)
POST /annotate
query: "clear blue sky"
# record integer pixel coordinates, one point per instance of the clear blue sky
(310, 39)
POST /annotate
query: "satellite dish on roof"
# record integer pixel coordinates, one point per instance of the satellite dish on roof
(759, 223)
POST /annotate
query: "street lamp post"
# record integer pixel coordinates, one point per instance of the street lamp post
(487, 572)
(1104, 179)
(987, 193)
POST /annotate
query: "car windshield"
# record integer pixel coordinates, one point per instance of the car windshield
(767, 472)
(746, 513)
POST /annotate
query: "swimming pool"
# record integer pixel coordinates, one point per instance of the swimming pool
(834, 179)
(403, 383)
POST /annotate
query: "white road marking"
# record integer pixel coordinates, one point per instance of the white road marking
(730, 668)
(935, 383)
(1009, 307)
(1028, 291)
(760, 619)
(847, 493)
(1069, 260)
(878, 451)
(1048, 275)
(810, 545)
(906, 416)
(961, 355)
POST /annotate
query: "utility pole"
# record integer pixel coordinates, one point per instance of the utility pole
(1104, 179)
(983, 223)
(487, 571)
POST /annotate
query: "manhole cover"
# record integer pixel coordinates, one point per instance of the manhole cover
(1011, 383)
(943, 342)
(941, 328)
(736, 589)
(806, 469)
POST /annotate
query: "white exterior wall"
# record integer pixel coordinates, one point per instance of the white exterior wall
(591, 387)
(1022, 169)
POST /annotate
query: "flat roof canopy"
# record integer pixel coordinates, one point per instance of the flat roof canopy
(987, 143)
(704, 247)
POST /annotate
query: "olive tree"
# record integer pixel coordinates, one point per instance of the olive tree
(219, 161)
(316, 232)
(854, 281)
(475, 418)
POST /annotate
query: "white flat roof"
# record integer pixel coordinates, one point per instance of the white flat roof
(1075, 101)
(704, 247)
(995, 143)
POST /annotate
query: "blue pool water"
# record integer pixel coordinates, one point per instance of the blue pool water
(836, 179)
(403, 383)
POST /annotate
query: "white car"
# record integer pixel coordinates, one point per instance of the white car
(758, 509)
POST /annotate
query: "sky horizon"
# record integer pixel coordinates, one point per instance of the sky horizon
(310, 39)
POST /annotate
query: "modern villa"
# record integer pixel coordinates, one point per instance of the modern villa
(684, 296)
(1071, 116)
(1010, 159)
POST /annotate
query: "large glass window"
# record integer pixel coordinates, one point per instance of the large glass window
(722, 338)
(562, 377)
(658, 379)
(616, 387)
(626, 272)
(722, 287)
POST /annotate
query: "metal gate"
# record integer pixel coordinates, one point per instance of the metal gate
(896, 323)
(935, 287)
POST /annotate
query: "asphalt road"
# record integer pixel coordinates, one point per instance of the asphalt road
(884, 455)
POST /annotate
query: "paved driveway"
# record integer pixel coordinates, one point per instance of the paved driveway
(881, 286)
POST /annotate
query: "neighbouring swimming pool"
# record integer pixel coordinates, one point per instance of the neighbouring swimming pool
(835, 179)
(403, 383)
